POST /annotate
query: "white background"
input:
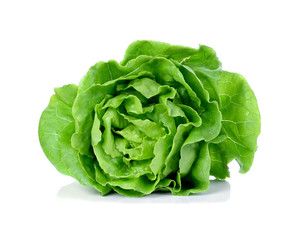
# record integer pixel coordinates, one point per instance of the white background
(46, 44)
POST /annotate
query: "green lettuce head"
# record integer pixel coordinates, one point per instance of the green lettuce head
(166, 118)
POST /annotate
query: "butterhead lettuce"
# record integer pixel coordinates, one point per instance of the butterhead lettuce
(164, 119)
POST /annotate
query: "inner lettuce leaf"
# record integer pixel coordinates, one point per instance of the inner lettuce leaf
(165, 118)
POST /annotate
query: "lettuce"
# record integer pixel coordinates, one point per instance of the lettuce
(164, 119)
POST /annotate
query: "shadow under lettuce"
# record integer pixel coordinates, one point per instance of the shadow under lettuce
(219, 191)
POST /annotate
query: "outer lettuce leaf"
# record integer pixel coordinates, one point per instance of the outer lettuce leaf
(55, 130)
(154, 48)
(241, 121)
(54, 119)
(202, 61)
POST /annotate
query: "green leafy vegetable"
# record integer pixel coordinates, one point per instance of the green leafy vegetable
(164, 119)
